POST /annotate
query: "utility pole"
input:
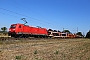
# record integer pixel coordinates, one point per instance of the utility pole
(63, 29)
(77, 29)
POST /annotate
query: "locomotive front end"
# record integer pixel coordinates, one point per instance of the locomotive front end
(12, 30)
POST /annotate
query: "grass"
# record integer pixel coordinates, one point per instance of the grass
(18, 57)
(35, 52)
(38, 59)
(58, 49)
(56, 52)
(1, 42)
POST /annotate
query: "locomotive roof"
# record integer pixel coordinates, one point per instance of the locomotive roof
(27, 25)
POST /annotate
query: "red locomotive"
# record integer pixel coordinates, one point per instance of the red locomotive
(21, 30)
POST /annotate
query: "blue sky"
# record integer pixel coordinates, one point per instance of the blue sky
(54, 14)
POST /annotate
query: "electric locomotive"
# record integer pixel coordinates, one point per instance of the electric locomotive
(22, 30)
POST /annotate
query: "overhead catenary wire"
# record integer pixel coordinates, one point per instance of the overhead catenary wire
(33, 12)
(24, 16)
(27, 8)
(12, 12)
(17, 13)
(34, 19)
(40, 21)
(9, 15)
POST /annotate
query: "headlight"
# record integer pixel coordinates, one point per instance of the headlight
(13, 29)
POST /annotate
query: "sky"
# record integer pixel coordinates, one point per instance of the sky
(70, 15)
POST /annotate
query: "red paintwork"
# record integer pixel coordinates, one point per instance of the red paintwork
(23, 29)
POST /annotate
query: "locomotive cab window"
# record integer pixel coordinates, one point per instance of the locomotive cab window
(13, 26)
(19, 26)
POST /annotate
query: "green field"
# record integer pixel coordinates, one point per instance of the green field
(53, 49)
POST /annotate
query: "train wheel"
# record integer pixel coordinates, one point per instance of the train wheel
(20, 36)
(16, 36)
(26, 36)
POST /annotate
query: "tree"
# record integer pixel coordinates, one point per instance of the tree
(4, 29)
(55, 30)
(88, 34)
(79, 33)
(50, 30)
(66, 31)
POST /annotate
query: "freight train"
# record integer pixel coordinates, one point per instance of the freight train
(25, 31)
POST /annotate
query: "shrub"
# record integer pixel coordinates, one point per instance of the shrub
(18, 57)
(56, 52)
(88, 34)
(35, 52)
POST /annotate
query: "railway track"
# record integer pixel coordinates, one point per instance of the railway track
(11, 38)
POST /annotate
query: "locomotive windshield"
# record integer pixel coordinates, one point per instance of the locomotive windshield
(13, 26)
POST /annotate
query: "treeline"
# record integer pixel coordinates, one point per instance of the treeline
(80, 34)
